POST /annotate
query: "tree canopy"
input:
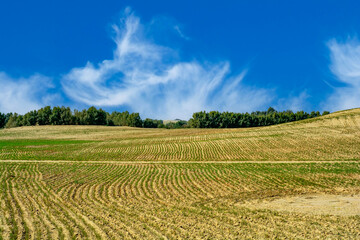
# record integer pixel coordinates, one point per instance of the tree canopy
(93, 116)
(215, 119)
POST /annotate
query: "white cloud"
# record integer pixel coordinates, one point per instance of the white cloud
(294, 103)
(345, 65)
(181, 34)
(24, 94)
(148, 78)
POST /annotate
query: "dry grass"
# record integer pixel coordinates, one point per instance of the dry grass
(116, 183)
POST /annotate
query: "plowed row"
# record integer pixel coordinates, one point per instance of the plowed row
(333, 137)
(90, 182)
(80, 200)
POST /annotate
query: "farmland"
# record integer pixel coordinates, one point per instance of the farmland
(68, 182)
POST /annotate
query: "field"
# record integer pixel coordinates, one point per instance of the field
(298, 180)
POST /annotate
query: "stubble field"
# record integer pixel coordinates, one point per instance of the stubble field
(299, 180)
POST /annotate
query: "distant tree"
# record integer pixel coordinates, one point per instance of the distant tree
(90, 116)
(135, 120)
(94, 116)
(100, 117)
(224, 120)
(43, 117)
(7, 117)
(109, 121)
(30, 118)
(199, 120)
(55, 117)
(79, 117)
(215, 119)
(2, 120)
(270, 110)
(180, 124)
(123, 119)
(66, 117)
(15, 120)
(149, 123)
(114, 118)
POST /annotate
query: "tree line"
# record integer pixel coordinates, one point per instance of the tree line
(215, 119)
(93, 116)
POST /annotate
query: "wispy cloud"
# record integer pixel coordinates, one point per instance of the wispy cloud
(345, 65)
(147, 78)
(24, 94)
(181, 34)
(294, 103)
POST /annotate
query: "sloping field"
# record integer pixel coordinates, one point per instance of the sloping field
(332, 137)
(82, 182)
(170, 200)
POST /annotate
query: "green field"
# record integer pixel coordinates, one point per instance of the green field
(298, 180)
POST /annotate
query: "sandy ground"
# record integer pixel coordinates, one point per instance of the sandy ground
(316, 204)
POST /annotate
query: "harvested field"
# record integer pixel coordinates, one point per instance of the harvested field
(78, 182)
(332, 137)
(169, 201)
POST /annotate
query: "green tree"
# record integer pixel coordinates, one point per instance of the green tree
(134, 120)
(270, 110)
(2, 120)
(30, 118)
(100, 117)
(66, 116)
(43, 117)
(149, 123)
(15, 120)
(55, 117)
(79, 117)
(90, 116)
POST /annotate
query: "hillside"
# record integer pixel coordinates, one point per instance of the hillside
(332, 137)
(298, 180)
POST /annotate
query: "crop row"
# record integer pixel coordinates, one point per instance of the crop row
(80, 200)
(332, 138)
(292, 146)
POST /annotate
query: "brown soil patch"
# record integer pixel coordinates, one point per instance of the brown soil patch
(316, 204)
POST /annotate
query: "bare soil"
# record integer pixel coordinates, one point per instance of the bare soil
(315, 204)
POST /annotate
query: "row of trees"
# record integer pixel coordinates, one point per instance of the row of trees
(64, 116)
(92, 116)
(215, 119)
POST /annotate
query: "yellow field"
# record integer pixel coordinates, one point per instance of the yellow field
(298, 180)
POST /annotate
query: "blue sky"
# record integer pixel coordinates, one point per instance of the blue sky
(168, 59)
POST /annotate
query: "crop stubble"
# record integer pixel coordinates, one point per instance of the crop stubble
(169, 200)
(138, 183)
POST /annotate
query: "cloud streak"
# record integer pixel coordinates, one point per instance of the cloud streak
(24, 94)
(345, 65)
(149, 79)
